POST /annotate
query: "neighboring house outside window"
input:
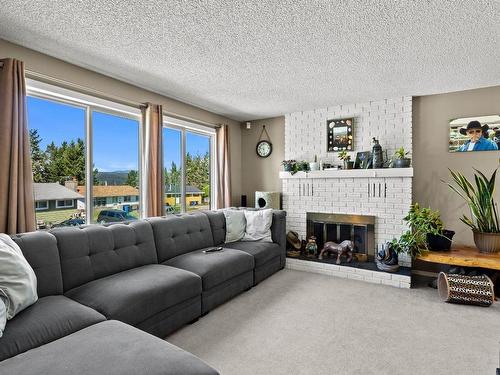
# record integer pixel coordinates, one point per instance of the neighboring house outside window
(121, 197)
(194, 196)
(55, 203)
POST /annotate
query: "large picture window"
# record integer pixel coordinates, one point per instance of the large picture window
(188, 164)
(115, 150)
(76, 138)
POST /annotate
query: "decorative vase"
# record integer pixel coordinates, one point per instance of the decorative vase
(288, 167)
(314, 166)
(487, 242)
(440, 242)
(349, 165)
(377, 155)
(401, 163)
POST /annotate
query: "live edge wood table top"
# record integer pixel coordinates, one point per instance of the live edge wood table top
(463, 256)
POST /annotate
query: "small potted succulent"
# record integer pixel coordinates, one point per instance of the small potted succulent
(288, 165)
(314, 165)
(346, 158)
(399, 159)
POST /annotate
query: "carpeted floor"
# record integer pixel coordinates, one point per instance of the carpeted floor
(303, 323)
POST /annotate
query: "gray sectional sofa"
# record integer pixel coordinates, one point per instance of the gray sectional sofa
(101, 288)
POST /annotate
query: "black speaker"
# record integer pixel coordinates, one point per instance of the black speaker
(243, 201)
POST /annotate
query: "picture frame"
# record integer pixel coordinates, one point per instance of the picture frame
(479, 133)
(340, 135)
(363, 160)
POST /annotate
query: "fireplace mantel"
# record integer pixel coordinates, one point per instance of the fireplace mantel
(352, 173)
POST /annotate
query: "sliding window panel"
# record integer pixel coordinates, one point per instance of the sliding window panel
(197, 176)
(115, 158)
(57, 140)
(172, 163)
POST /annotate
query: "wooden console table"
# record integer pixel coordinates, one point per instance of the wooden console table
(463, 256)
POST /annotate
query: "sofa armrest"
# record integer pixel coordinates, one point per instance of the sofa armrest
(278, 232)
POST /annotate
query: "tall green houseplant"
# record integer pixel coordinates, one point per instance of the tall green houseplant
(484, 220)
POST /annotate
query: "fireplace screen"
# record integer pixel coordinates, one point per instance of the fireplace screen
(339, 227)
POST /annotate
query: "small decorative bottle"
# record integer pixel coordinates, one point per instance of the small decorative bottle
(377, 154)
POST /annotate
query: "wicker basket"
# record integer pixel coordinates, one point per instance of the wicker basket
(468, 290)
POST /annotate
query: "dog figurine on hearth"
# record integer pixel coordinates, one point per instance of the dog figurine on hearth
(344, 248)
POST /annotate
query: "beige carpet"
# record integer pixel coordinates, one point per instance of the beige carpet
(303, 323)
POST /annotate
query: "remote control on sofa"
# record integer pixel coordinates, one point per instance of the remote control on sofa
(213, 249)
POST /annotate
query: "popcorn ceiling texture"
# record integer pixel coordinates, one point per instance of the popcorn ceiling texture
(259, 59)
(390, 120)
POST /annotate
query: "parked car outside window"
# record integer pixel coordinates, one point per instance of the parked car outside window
(113, 216)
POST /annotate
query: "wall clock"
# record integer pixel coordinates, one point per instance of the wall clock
(264, 146)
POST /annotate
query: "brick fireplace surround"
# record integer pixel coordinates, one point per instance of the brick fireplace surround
(385, 194)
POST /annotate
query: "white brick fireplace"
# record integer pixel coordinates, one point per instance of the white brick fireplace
(383, 193)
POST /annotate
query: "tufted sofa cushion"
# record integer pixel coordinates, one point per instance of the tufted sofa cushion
(218, 225)
(40, 250)
(93, 252)
(177, 235)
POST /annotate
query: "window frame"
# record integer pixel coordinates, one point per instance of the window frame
(42, 208)
(72, 205)
(194, 128)
(90, 104)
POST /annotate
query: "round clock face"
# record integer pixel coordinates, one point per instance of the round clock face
(264, 149)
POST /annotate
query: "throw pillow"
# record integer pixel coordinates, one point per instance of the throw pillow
(3, 316)
(235, 225)
(17, 278)
(258, 225)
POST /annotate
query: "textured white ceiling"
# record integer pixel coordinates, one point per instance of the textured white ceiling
(257, 59)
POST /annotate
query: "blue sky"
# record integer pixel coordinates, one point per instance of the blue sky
(115, 138)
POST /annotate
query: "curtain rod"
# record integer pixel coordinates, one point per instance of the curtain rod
(86, 90)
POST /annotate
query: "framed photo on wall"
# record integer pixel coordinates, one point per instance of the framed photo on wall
(480, 133)
(339, 135)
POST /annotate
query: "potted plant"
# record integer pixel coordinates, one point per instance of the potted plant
(288, 165)
(399, 159)
(422, 222)
(314, 166)
(484, 220)
(346, 158)
(302, 166)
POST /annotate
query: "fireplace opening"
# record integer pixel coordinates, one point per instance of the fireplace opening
(360, 229)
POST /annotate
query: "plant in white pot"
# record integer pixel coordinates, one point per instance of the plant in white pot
(314, 165)
(484, 219)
